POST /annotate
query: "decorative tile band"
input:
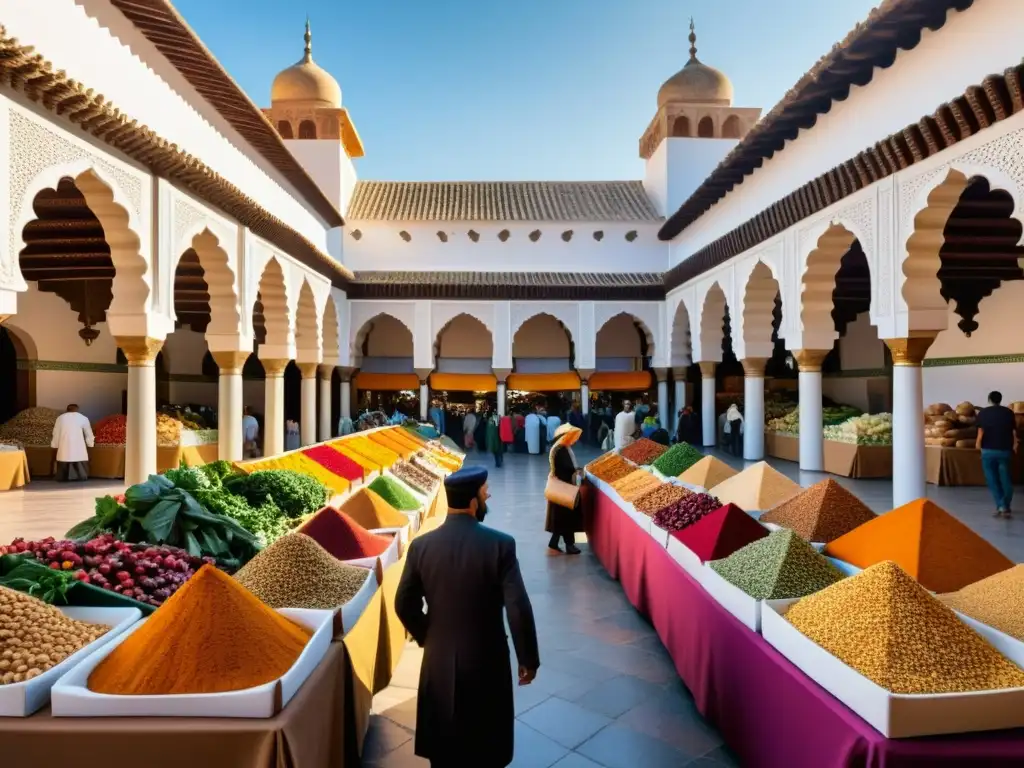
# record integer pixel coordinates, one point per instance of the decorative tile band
(858, 373)
(57, 365)
(939, 362)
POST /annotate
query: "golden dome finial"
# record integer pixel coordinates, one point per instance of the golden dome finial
(693, 42)
(308, 37)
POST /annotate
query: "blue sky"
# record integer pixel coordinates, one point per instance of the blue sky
(533, 89)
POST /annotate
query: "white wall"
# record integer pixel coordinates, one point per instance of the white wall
(678, 166)
(333, 171)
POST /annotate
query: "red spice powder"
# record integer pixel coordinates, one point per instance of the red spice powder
(720, 533)
(342, 536)
(334, 462)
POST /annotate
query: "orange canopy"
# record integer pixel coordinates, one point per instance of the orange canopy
(543, 382)
(464, 382)
(625, 381)
(387, 382)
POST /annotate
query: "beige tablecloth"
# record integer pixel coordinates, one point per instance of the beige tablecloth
(864, 461)
(958, 466)
(782, 446)
(106, 462)
(14, 471)
(40, 461)
(194, 456)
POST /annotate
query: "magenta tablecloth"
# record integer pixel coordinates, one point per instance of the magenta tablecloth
(768, 711)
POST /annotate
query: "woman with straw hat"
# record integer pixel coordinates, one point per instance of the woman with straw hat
(564, 517)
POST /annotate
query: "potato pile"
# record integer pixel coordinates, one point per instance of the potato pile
(32, 427)
(34, 636)
(949, 428)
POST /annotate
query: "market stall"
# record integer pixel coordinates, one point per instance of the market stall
(14, 468)
(861, 461)
(780, 445)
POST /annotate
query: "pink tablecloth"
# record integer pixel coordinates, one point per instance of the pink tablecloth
(768, 712)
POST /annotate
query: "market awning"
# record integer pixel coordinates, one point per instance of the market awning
(543, 382)
(463, 382)
(386, 382)
(624, 381)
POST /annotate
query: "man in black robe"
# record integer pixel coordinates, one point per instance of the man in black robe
(467, 573)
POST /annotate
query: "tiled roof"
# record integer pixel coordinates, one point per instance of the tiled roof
(501, 201)
(606, 286)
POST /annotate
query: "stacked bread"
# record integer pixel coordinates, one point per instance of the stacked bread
(951, 428)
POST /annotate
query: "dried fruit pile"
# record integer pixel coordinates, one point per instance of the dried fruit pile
(635, 484)
(32, 427)
(110, 430)
(686, 511)
(677, 459)
(822, 513)
(886, 626)
(997, 601)
(781, 565)
(610, 468)
(665, 495)
(416, 478)
(643, 451)
(756, 488)
(721, 533)
(708, 472)
(168, 431)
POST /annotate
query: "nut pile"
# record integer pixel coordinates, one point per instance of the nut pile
(823, 512)
(781, 565)
(997, 601)
(635, 484)
(32, 427)
(419, 479)
(35, 637)
(758, 487)
(677, 459)
(643, 451)
(665, 495)
(686, 511)
(296, 572)
(611, 468)
(886, 626)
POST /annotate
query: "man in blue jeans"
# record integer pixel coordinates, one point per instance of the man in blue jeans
(997, 439)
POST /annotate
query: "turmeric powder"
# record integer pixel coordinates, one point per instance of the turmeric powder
(211, 636)
(368, 509)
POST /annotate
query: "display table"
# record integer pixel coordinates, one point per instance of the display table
(14, 471)
(780, 446)
(847, 460)
(106, 462)
(40, 461)
(768, 712)
(193, 455)
(959, 466)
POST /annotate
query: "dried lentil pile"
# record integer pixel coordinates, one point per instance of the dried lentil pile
(612, 469)
(823, 512)
(997, 601)
(677, 459)
(781, 565)
(757, 487)
(35, 637)
(413, 476)
(721, 533)
(886, 626)
(708, 472)
(635, 484)
(665, 495)
(942, 553)
(643, 451)
(296, 572)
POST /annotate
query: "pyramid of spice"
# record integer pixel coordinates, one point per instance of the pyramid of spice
(677, 459)
(643, 451)
(823, 512)
(997, 601)
(368, 509)
(708, 472)
(394, 493)
(721, 533)
(212, 635)
(612, 469)
(664, 495)
(758, 487)
(781, 565)
(296, 572)
(942, 553)
(35, 637)
(886, 626)
(342, 536)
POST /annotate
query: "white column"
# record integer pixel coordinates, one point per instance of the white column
(325, 429)
(753, 408)
(709, 425)
(140, 437)
(663, 411)
(908, 454)
(229, 404)
(584, 397)
(424, 400)
(273, 409)
(501, 398)
(346, 398)
(812, 442)
(308, 420)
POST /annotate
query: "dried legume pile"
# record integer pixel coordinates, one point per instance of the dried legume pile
(643, 451)
(823, 512)
(708, 472)
(656, 500)
(342, 536)
(721, 533)
(32, 427)
(677, 459)
(757, 487)
(942, 553)
(417, 478)
(886, 626)
(686, 511)
(35, 637)
(997, 601)
(613, 469)
(781, 565)
(635, 484)
(296, 572)
(394, 494)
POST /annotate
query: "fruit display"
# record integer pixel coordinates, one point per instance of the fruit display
(32, 427)
(776, 406)
(867, 429)
(110, 430)
(947, 427)
(787, 423)
(685, 512)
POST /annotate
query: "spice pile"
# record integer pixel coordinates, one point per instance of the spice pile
(32, 427)
(997, 601)
(686, 511)
(416, 478)
(643, 451)
(342, 536)
(610, 468)
(677, 459)
(721, 533)
(635, 484)
(334, 461)
(780, 565)
(423, 461)
(212, 636)
(110, 430)
(823, 512)
(665, 495)
(34, 636)
(942, 553)
(756, 488)
(887, 627)
(296, 572)
(375, 452)
(707, 473)
(394, 494)
(369, 510)
(384, 439)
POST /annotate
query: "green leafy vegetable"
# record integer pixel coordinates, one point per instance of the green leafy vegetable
(294, 494)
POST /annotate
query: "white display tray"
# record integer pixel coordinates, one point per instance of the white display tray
(23, 699)
(387, 557)
(893, 715)
(659, 534)
(685, 556)
(403, 534)
(737, 602)
(639, 518)
(1009, 646)
(818, 545)
(346, 616)
(690, 486)
(72, 698)
(847, 568)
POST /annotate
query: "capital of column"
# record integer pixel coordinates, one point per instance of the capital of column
(585, 374)
(326, 371)
(274, 367)
(810, 360)
(346, 374)
(679, 373)
(910, 352)
(753, 367)
(230, 362)
(308, 370)
(501, 374)
(707, 370)
(141, 351)
(661, 374)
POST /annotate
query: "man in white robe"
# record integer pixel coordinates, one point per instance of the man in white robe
(72, 437)
(625, 425)
(533, 426)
